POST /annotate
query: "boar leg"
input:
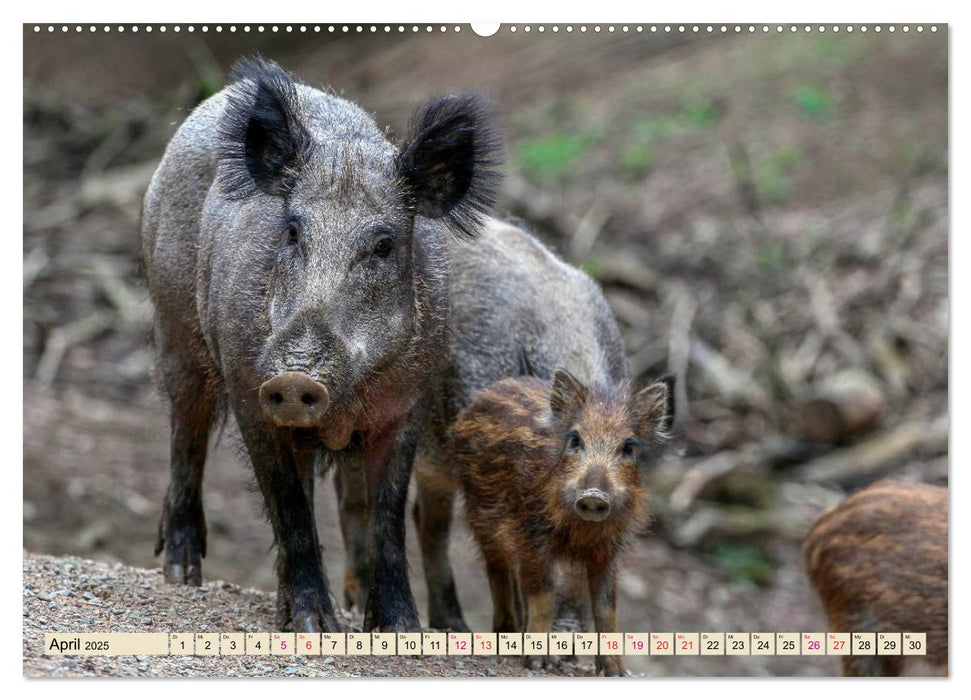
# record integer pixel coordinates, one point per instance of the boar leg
(286, 478)
(540, 601)
(433, 519)
(388, 462)
(572, 596)
(351, 489)
(182, 527)
(502, 583)
(603, 600)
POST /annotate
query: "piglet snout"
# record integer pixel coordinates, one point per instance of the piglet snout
(593, 505)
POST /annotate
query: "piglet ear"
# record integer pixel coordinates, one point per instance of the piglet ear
(263, 144)
(449, 161)
(653, 409)
(567, 394)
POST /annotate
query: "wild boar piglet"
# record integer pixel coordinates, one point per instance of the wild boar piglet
(550, 473)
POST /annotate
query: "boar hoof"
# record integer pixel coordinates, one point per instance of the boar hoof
(188, 574)
(451, 623)
(610, 666)
(184, 546)
(400, 618)
(538, 663)
(311, 622)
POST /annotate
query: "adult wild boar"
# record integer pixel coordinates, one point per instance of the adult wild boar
(298, 263)
(514, 308)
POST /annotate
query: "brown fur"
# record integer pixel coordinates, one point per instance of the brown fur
(520, 479)
(879, 564)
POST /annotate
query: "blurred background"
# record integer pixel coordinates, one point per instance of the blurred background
(767, 214)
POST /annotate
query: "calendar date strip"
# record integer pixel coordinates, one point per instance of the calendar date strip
(488, 644)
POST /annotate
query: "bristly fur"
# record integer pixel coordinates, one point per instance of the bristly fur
(524, 366)
(450, 161)
(668, 424)
(262, 142)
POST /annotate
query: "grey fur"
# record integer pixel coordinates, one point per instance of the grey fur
(401, 343)
(322, 265)
(510, 297)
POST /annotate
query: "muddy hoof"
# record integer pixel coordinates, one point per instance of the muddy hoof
(183, 557)
(313, 622)
(309, 621)
(182, 536)
(390, 618)
(179, 572)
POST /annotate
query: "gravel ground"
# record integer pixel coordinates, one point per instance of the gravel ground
(79, 595)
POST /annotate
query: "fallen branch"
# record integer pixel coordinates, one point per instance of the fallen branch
(685, 306)
(728, 381)
(588, 230)
(624, 270)
(707, 470)
(710, 524)
(61, 339)
(867, 459)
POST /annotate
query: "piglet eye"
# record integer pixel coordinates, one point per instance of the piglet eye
(383, 248)
(630, 447)
(573, 441)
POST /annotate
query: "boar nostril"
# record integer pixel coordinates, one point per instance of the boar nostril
(309, 399)
(276, 397)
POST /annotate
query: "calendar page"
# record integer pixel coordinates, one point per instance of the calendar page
(485, 350)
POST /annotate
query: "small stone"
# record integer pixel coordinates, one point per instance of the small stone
(329, 660)
(289, 671)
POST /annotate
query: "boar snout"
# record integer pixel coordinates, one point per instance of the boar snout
(593, 505)
(294, 400)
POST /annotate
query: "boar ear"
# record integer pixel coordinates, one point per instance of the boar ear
(567, 394)
(449, 161)
(653, 408)
(262, 142)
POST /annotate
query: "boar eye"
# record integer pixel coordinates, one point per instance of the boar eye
(573, 441)
(383, 248)
(630, 447)
(293, 232)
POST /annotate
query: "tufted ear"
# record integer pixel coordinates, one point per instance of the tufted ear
(449, 161)
(653, 409)
(262, 143)
(567, 394)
